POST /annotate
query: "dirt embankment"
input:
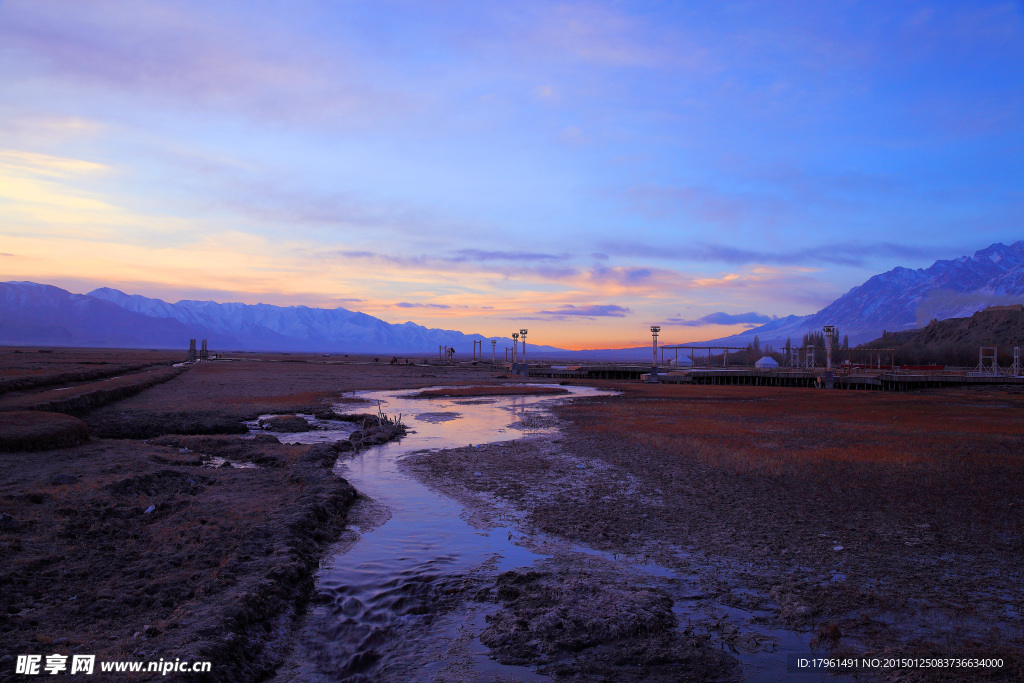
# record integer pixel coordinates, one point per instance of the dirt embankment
(136, 551)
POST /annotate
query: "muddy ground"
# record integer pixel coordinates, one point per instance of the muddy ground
(168, 534)
(870, 523)
(873, 524)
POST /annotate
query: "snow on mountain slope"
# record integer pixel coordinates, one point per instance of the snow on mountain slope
(897, 300)
(31, 313)
(263, 326)
(903, 298)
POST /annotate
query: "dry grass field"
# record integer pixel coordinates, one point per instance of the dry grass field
(922, 493)
(27, 368)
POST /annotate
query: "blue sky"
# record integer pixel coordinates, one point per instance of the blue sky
(592, 168)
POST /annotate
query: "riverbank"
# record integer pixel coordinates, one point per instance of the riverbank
(167, 533)
(132, 551)
(867, 524)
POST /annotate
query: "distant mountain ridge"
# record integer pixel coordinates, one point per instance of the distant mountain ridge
(894, 301)
(903, 298)
(47, 315)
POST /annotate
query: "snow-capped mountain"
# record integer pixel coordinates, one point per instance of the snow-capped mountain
(42, 314)
(903, 298)
(897, 300)
(45, 315)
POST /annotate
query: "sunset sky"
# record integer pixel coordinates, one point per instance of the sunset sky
(582, 169)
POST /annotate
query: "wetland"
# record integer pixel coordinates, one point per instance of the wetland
(617, 531)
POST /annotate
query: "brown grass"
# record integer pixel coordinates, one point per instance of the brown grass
(924, 493)
(85, 397)
(23, 369)
(36, 431)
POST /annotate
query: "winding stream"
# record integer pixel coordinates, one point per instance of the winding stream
(393, 601)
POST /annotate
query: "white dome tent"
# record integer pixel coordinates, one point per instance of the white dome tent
(767, 363)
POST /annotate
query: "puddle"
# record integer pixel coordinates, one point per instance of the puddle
(394, 603)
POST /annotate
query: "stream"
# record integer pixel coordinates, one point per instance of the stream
(394, 600)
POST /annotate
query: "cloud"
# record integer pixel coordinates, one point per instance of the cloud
(596, 35)
(406, 304)
(721, 318)
(856, 254)
(262, 66)
(590, 311)
(483, 262)
(463, 255)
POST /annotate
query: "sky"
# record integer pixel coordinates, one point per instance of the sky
(584, 170)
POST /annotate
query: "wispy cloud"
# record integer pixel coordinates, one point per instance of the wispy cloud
(721, 318)
(174, 52)
(463, 255)
(842, 253)
(589, 311)
(493, 264)
(406, 304)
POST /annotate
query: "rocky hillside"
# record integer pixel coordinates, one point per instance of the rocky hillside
(955, 341)
(994, 326)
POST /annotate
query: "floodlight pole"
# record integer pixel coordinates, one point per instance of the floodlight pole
(515, 353)
(829, 331)
(655, 329)
(493, 342)
(525, 368)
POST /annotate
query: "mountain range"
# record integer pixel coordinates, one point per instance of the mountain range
(904, 298)
(897, 300)
(36, 314)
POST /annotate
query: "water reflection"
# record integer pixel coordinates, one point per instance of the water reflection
(387, 605)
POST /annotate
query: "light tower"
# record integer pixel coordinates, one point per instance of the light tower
(655, 329)
(515, 353)
(524, 367)
(493, 342)
(830, 333)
